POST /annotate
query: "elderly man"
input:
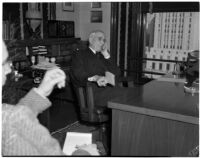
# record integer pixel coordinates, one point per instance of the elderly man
(90, 65)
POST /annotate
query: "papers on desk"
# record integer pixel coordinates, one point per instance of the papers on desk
(74, 139)
(110, 78)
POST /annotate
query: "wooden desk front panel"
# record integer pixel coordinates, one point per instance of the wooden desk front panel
(142, 135)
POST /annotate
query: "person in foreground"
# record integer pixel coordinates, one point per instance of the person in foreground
(91, 65)
(22, 134)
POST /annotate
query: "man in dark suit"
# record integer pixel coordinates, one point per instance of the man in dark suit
(91, 64)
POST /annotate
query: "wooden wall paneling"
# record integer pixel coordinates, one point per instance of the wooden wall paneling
(129, 54)
(114, 30)
(122, 36)
(134, 39)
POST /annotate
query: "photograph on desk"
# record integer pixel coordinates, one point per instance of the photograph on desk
(100, 79)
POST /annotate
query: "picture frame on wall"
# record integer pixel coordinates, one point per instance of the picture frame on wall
(68, 6)
(96, 4)
(60, 29)
(96, 17)
(65, 29)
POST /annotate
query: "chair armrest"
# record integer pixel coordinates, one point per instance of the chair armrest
(81, 97)
(90, 100)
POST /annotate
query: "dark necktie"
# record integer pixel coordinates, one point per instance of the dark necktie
(98, 54)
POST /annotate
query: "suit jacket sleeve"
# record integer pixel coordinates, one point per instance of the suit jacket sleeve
(111, 66)
(79, 74)
(22, 132)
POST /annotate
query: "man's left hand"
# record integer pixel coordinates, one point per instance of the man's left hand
(102, 81)
(105, 52)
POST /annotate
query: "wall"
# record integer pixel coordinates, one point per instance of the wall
(86, 26)
(81, 17)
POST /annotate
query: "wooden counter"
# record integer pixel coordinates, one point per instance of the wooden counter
(157, 119)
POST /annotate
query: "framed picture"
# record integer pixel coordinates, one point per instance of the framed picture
(65, 29)
(60, 29)
(96, 4)
(68, 6)
(96, 16)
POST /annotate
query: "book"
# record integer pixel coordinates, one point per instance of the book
(110, 78)
(74, 139)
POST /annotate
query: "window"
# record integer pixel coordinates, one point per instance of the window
(168, 67)
(147, 32)
(153, 66)
(176, 43)
(160, 66)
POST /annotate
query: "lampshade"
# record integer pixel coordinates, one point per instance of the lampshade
(34, 17)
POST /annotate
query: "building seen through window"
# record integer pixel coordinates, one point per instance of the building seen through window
(169, 36)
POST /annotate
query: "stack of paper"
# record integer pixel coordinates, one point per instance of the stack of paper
(74, 139)
(39, 50)
(110, 78)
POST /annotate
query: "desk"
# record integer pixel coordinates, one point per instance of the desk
(157, 119)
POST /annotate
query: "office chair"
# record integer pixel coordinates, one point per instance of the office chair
(89, 113)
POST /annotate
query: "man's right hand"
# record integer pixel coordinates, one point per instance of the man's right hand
(101, 80)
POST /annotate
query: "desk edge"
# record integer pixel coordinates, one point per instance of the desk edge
(157, 113)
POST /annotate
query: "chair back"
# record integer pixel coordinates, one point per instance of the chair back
(88, 111)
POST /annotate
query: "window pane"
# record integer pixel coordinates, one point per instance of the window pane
(169, 36)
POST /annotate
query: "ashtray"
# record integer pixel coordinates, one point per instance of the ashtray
(194, 88)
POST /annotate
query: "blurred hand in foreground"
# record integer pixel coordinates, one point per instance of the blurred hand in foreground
(90, 149)
(51, 78)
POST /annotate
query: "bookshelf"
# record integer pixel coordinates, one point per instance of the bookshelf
(18, 36)
(11, 21)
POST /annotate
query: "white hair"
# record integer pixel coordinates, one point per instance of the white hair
(93, 34)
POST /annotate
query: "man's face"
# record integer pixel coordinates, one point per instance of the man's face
(98, 41)
(5, 65)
